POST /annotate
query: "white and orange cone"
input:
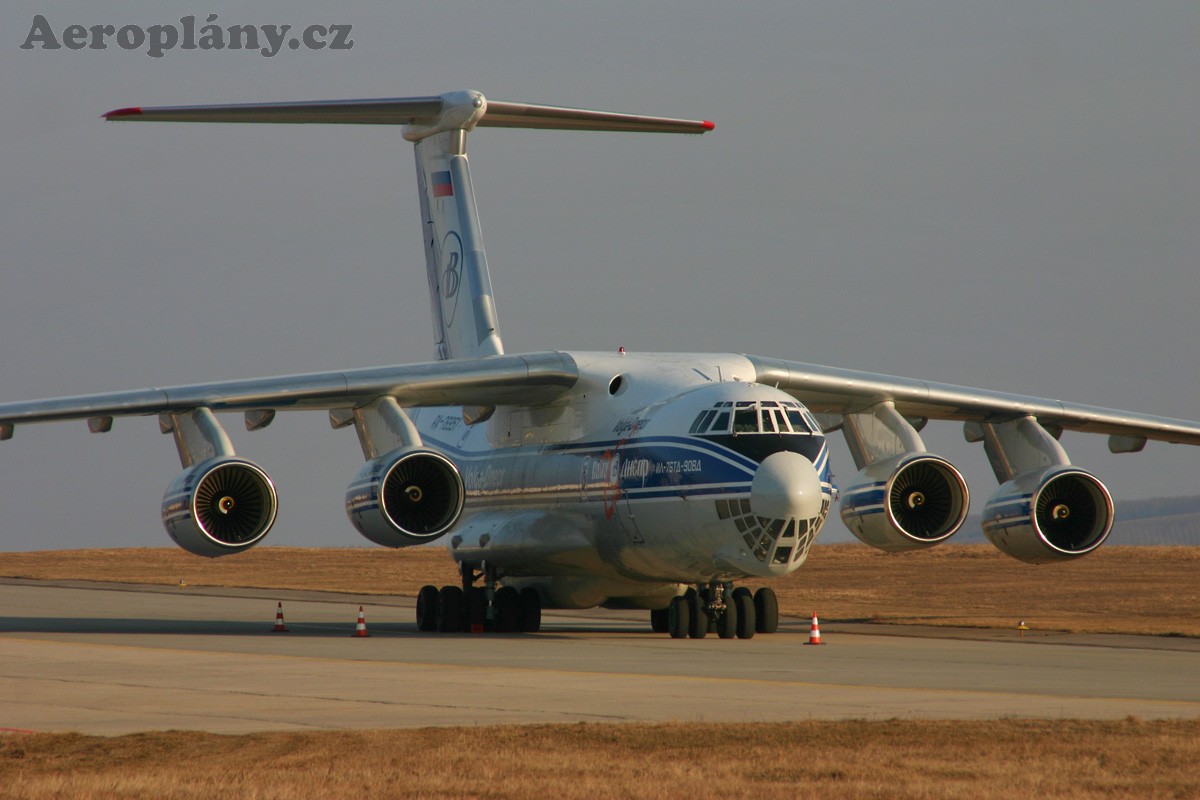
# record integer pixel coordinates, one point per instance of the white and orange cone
(814, 636)
(279, 626)
(361, 628)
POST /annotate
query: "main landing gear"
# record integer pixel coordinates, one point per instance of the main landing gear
(456, 609)
(721, 609)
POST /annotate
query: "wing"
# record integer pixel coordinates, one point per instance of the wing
(905, 498)
(829, 390)
(528, 379)
(223, 504)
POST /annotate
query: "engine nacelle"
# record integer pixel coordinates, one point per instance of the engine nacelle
(1049, 515)
(909, 502)
(220, 506)
(406, 497)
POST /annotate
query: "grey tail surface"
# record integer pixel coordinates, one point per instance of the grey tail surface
(464, 311)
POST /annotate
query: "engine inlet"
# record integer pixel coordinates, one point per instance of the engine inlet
(234, 504)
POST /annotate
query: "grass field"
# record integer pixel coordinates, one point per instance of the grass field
(830, 760)
(1147, 590)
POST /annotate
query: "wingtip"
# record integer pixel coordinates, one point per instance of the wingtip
(132, 111)
(708, 126)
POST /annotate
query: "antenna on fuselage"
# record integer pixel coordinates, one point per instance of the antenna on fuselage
(464, 312)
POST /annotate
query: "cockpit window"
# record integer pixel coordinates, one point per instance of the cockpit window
(799, 425)
(701, 423)
(745, 420)
(767, 416)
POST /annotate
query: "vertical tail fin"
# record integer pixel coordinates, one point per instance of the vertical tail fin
(460, 287)
(464, 312)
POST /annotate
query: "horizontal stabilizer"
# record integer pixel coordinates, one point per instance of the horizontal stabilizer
(464, 313)
(524, 115)
(387, 111)
(415, 111)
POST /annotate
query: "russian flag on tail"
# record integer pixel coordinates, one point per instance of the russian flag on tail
(442, 186)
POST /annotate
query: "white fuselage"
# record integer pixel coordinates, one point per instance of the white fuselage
(639, 479)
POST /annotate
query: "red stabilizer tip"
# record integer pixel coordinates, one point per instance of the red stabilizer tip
(708, 126)
(132, 111)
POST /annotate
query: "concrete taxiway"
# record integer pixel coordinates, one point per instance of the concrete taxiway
(107, 659)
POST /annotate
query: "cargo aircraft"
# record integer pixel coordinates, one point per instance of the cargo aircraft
(623, 480)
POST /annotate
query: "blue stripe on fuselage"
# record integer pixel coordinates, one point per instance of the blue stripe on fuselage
(643, 467)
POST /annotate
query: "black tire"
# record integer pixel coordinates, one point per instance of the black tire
(450, 609)
(727, 622)
(508, 610)
(679, 618)
(766, 610)
(742, 591)
(660, 621)
(529, 612)
(476, 607)
(747, 615)
(698, 611)
(427, 603)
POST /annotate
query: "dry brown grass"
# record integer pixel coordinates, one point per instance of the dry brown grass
(367, 570)
(1151, 590)
(1147, 590)
(892, 759)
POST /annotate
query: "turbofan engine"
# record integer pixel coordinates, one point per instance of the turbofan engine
(1049, 515)
(406, 497)
(220, 506)
(907, 502)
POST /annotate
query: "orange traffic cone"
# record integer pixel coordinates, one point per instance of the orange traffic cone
(361, 628)
(814, 636)
(279, 626)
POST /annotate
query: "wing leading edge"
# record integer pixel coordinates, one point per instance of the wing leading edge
(528, 379)
(830, 390)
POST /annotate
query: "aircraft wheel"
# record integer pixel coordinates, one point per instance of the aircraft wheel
(476, 607)
(766, 610)
(698, 628)
(508, 609)
(427, 603)
(529, 613)
(742, 591)
(727, 622)
(450, 609)
(679, 618)
(746, 614)
(660, 621)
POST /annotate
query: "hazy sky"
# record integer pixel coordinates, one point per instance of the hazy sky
(1003, 195)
